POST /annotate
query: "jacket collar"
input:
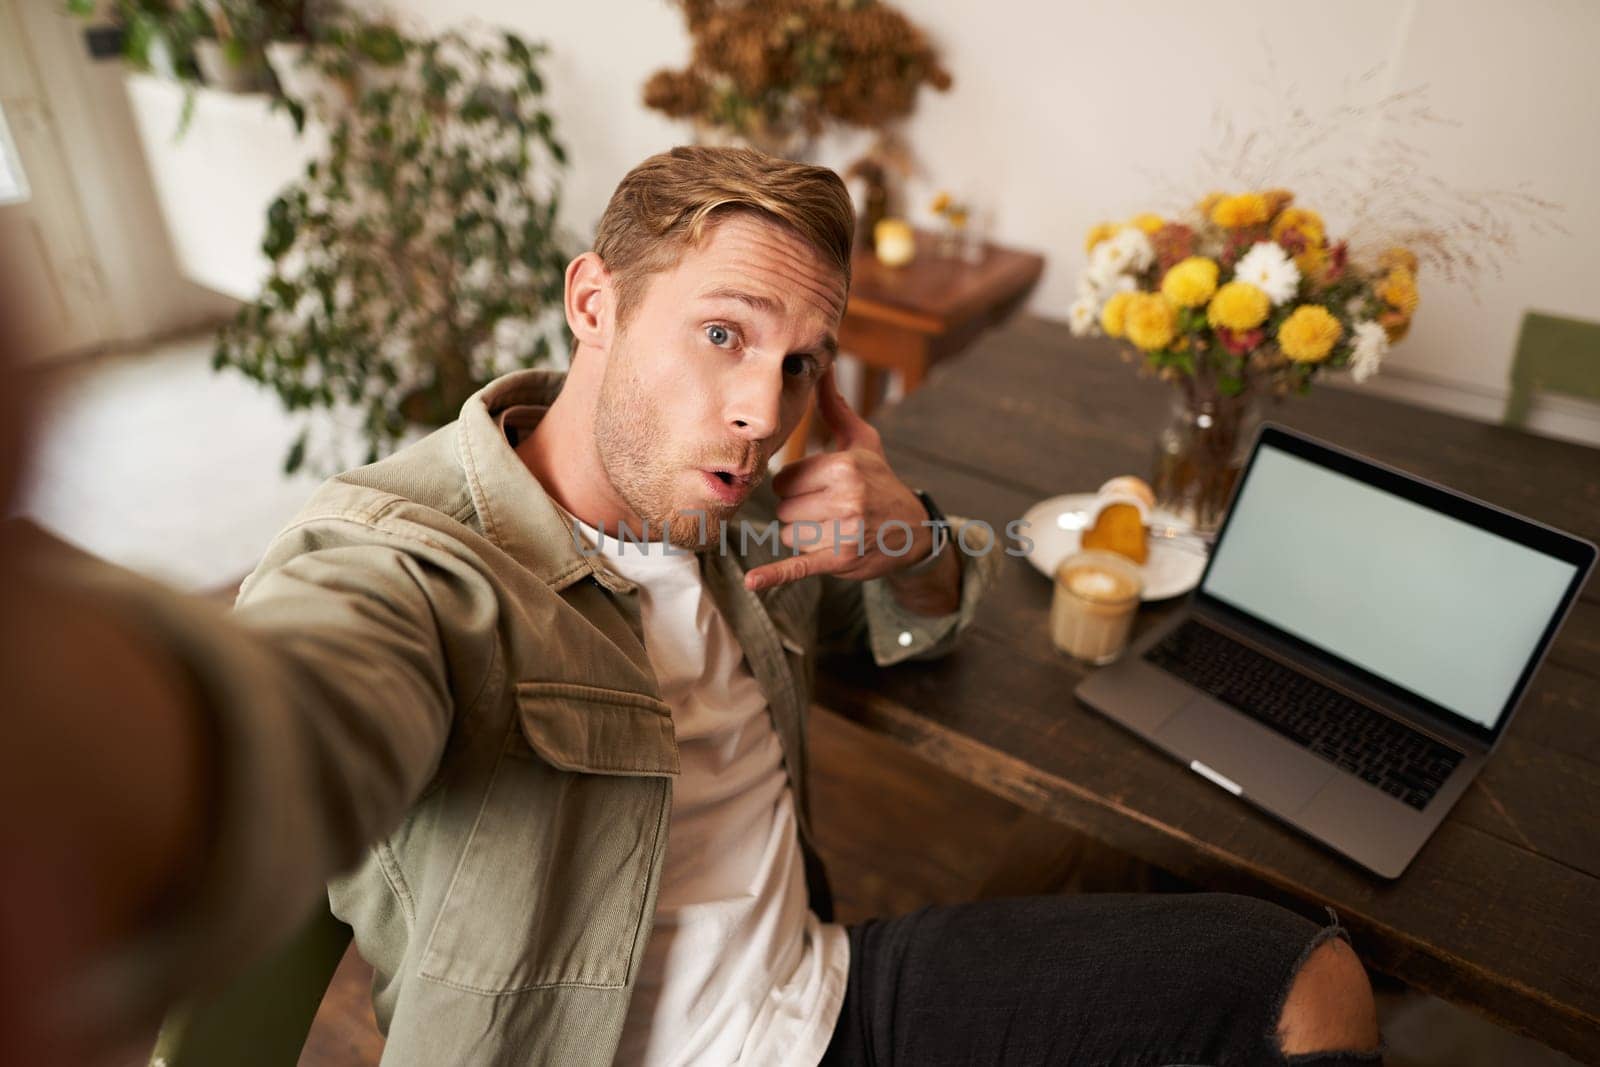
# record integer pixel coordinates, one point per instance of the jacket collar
(517, 513)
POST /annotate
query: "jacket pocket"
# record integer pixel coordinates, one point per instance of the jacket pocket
(556, 884)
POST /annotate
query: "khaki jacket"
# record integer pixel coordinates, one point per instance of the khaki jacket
(433, 683)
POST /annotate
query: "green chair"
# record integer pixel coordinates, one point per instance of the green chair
(1554, 355)
(262, 1017)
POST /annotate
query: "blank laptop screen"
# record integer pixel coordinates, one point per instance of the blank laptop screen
(1430, 603)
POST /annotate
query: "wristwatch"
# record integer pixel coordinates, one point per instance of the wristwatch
(941, 533)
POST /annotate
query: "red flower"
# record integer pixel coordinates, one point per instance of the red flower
(1338, 259)
(1293, 241)
(1240, 343)
(1240, 242)
(1173, 243)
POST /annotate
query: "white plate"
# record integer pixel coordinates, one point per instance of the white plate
(1055, 525)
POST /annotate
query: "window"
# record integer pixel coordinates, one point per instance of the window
(13, 182)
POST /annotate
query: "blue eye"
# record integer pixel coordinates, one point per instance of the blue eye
(718, 335)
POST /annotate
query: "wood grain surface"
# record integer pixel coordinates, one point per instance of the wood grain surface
(1498, 911)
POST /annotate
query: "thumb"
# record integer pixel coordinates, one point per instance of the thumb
(837, 414)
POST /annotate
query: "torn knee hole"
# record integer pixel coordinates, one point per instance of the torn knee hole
(1328, 1004)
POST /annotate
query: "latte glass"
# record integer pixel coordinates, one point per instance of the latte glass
(1097, 595)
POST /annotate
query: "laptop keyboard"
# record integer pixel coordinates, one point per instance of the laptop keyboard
(1381, 751)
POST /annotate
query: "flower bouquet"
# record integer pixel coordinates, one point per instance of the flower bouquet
(1244, 299)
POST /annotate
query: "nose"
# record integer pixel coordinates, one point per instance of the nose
(754, 400)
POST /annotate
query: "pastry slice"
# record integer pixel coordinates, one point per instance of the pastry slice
(1122, 508)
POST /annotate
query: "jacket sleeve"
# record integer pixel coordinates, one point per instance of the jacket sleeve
(851, 612)
(329, 694)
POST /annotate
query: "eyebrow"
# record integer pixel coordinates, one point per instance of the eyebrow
(828, 345)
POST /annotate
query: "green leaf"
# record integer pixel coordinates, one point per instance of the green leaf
(297, 454)
(185, 116)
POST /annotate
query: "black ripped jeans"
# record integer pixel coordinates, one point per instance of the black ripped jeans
(1132, 980)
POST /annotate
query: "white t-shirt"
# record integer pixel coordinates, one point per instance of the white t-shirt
(737, 968)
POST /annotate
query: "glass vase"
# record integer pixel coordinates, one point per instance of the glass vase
(1200, 453)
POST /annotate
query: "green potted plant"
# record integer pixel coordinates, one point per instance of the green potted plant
(158, 36)
(420, 256)
(220, 43)
(338, 55)
(229, 50)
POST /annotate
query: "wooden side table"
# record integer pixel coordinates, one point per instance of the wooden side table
(905, 319)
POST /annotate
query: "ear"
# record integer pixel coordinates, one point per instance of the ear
(590, 301)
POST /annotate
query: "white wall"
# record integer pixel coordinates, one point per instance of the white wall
(1066, 113)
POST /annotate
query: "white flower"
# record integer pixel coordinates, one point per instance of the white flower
(1268, 267)
(1083, 317)
(1133, 247)
(1100, 289)
(1367, 349)
(1105, 263)
(1122, 283)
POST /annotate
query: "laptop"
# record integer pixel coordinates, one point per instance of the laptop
(1354, 650)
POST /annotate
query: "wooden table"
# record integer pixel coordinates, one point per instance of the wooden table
(903, 320)
(1500, 911)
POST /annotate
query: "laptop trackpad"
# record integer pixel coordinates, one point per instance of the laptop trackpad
(1273, 771)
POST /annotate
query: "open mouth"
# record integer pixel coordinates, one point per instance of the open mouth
(729, 486)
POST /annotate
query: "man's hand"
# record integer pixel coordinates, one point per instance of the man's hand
(846, 513)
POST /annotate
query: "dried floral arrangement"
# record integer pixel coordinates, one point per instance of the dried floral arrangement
(768, 71)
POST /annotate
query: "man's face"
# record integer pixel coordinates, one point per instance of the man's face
(711, 371)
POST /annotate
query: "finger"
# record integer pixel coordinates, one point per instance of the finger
(826, 532)
(849, 429)
(817, 505)
(794, 568)
(806, 475)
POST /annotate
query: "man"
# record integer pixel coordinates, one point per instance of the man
(542, 677)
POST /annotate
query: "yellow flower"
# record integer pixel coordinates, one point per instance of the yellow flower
(1238, 306)
(1398, 257)
(1147, 222)
(1113, 317)
(1309, 334)
(940, 203)
(1190, 283)
(1102, 231)
(1399, 291)
(1234, 212)
(1150, 321)
(1209, 201)
(1308, 222)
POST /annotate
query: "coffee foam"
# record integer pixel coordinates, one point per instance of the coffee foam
(1094, 583)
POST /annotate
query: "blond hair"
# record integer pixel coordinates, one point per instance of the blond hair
(664, 205)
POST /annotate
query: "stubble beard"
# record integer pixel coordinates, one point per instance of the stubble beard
(635, 450)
